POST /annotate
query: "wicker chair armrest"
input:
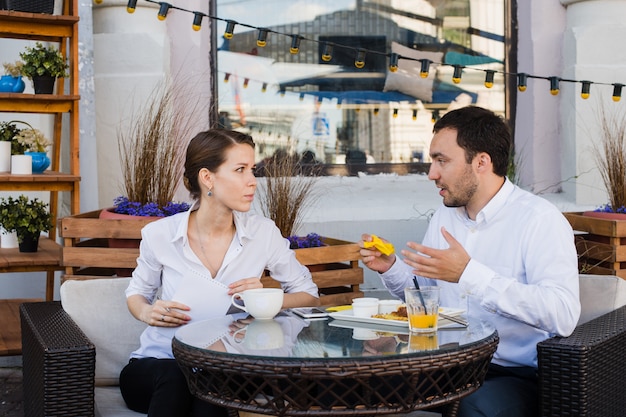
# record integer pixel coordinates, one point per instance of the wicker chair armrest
(58, 363)
(585, 374)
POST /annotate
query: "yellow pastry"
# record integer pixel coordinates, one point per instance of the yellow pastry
(385, 248)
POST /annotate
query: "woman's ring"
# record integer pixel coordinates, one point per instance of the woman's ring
(162, 317)
(167, 309)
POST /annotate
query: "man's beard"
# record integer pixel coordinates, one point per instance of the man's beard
(464, 190)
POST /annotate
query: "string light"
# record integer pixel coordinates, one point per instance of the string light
(264, 88)
(359, 62)
(376, 111)
(458, 72)
(435, 116)
(301, 96)
(425, 68)
(326, 56)
(584, 91)
(395, 113)
(617, 92)
(522, 80)
(130, 7)
(295, 44)
(489, 74)
(414, 114)
(393, 62)
(163, 9)
(261, 41)
(226, 77)
(246, 81)
(197, 20)
(554, 85)
(230, 29)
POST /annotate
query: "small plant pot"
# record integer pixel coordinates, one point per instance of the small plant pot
(40, 161)
(29, 243)
(44, 84)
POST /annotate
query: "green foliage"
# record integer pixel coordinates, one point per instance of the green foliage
(42, 60)
(24, 216)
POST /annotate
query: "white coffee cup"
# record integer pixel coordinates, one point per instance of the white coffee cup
(260, 303)
(261, 335)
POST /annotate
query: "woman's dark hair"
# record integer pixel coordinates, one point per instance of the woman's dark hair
(208, 150)
(480, 130)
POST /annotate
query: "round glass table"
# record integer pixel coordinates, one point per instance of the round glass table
(290, 366)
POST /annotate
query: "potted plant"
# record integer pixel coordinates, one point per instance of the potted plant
(28, 218)
(34, 143)
(43, 65)
(602, 247)
(11, 81)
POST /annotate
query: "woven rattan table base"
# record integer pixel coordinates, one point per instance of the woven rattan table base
(336, 386)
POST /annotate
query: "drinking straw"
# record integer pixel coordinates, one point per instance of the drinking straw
(417, 287)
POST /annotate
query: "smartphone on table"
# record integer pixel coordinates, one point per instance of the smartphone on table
(310, 312)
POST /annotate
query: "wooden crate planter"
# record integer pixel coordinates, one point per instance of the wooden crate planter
(86, 255)
(335, 270)
(600, 243)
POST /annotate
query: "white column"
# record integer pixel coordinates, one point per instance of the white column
(537, 135)
(593, 49)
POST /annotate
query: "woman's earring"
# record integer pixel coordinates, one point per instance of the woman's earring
(209, 193)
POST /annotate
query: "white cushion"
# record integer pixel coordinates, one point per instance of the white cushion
(407, 78)
(98, 306)
(600, 294)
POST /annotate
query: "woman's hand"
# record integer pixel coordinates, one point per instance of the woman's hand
(244, 284)
(162, 313)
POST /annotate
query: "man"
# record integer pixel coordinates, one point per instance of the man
(506, 255)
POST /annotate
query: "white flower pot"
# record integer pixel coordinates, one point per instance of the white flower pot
(8, 240)
(21, 165)
(5, 156)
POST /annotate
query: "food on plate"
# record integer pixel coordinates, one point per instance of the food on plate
(399, 314)
(385, 248)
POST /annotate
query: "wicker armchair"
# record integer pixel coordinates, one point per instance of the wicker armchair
(584, 375)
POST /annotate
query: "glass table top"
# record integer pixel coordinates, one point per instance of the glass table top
(289, 336)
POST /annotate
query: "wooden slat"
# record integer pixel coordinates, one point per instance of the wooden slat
(604, 227)
(11, 334)
(337, 251)
(88, 225)
(100, 257)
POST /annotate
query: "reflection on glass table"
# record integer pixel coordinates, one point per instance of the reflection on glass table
(292, 366)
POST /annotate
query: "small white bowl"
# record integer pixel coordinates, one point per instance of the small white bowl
(388, 306)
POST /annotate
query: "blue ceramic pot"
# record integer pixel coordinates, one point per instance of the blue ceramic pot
(40, 161)
(10, 84)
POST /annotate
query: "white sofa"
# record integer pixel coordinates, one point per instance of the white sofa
(99, 309)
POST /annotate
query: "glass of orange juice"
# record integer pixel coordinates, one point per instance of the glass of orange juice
(422, 307)
(420, 342)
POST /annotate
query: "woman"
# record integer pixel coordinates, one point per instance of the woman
(198, 259)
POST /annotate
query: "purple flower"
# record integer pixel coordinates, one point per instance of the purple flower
(134, 208)
(312, 240)
(608, 209)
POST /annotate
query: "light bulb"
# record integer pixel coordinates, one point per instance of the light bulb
(230, 28)
(130, 7)
(554, 86)
(295, 44)
(522, 82)
(327, 54)
(585, 90)
(359, 62)
(393, 62)
(458, 72)
(489, 78)
(261, 41)
(197, 21)
(424, 68)
(163, 9)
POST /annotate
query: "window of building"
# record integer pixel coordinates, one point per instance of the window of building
(323, 82)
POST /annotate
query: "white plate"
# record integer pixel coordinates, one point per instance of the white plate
(347, 316)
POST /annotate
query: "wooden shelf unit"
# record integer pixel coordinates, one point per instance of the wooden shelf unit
(62, 29)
